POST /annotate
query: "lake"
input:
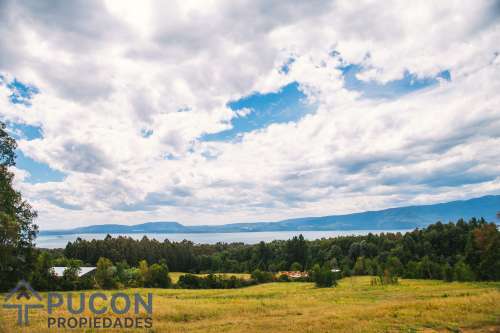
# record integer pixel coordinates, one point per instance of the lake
(60, 241)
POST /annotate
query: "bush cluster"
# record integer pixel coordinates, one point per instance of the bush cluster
(213, 281)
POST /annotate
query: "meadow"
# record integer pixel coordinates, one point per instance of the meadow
(353, 306)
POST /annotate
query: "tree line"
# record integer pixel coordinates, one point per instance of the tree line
(109, 275)
(462, 251)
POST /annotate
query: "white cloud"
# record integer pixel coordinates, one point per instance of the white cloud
(110, 72)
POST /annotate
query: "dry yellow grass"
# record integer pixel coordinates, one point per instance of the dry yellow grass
(353, 306)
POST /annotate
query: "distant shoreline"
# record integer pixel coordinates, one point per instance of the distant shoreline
(60, 241)
(63, 233)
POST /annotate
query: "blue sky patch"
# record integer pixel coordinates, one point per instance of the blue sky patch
(39, 172)
(285, 68)
(392, 89)
(170, 157)
(24, 131)
(288, 104)
(146, 133)
(21, 93)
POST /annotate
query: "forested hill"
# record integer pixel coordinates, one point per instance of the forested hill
(401, 218)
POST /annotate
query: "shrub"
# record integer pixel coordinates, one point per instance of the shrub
(189, 281)
(158, 276)
(384, 278)
(323, 277)
(132, 278)
(211, 281)
(262, 277)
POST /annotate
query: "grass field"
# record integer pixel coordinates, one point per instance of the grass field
(353, 306)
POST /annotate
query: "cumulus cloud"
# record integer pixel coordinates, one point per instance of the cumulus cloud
(127, 92)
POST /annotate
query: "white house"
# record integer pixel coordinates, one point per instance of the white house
(59, 271)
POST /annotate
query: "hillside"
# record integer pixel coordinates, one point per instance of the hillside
(393, 218)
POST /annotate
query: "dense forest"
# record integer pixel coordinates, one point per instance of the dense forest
(453, 251)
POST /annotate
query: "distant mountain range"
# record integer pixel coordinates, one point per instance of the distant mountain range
(400, 218)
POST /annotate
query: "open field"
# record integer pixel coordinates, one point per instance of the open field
(353, 306)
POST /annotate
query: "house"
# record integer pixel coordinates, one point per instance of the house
(294, 274)
(59, 270)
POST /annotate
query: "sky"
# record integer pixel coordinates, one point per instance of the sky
(213, 112)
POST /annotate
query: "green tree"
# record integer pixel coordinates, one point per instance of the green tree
(370, 266)
(121, 272)
(273, 268)
(394, 265)
(412, 270)
(296, 266)
(158, 276)
(70, 276)
(315, 272)
(43, 277)
(262, 256)
(323, 277)
(297, 250)
(105, 274)
(144, 272)
(487, 241)
(359, 266)
(462, 272)
(17, 230)
(429, 269)
(448, 273)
